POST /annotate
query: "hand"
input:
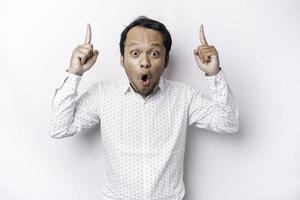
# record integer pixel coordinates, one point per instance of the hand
(83, 56)
(207, 56)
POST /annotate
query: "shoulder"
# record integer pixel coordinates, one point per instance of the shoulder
(180, 93)
(177, 86)
(179, 90)
(108, 82)
(109, 85)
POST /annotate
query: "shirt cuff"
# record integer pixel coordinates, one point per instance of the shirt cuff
(73, 75)
(70, 83)
(216, 80)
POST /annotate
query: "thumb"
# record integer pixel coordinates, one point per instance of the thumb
(197, 57)
(214, 60)
(91, 61)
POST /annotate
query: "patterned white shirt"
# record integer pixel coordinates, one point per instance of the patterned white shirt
(143, 139)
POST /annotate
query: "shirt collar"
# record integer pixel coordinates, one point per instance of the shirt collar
(125, 87)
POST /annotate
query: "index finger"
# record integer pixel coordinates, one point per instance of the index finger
(88, 35)
(202, 36)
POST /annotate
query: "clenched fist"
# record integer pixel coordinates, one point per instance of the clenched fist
(207, 56)
(83, 56)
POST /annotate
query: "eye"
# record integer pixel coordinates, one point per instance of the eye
(134, 53)
(155, 53)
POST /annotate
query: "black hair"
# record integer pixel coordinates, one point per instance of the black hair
(151, 24)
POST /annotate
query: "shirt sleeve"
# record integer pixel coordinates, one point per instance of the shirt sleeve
(219, 114)
(69, 116)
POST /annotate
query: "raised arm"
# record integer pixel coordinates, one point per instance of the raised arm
(68, 115)
(220, 114)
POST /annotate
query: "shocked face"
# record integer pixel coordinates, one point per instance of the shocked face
(144, 59)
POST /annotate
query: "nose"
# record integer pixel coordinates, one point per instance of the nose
(145, 62)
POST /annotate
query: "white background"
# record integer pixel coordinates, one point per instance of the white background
(258, 44)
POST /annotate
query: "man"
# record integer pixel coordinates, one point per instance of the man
(143, 117)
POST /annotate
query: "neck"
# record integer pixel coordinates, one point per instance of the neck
(140, 93)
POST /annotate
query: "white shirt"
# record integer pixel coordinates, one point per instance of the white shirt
(143, 139)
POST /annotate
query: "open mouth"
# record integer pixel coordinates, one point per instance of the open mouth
(145, 78)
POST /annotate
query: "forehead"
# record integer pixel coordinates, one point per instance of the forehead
(141, 35)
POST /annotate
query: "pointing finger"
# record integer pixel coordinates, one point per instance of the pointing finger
(88, 35)
(202, 37)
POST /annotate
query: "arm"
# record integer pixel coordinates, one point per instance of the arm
(69, 116)
(221, 113)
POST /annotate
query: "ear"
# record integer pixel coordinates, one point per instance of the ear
(167, 62)
(122, 61)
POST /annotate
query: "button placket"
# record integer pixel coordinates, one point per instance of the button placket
(141, 104)
(146, 127)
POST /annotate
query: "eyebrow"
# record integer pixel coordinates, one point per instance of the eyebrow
(152, 44)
